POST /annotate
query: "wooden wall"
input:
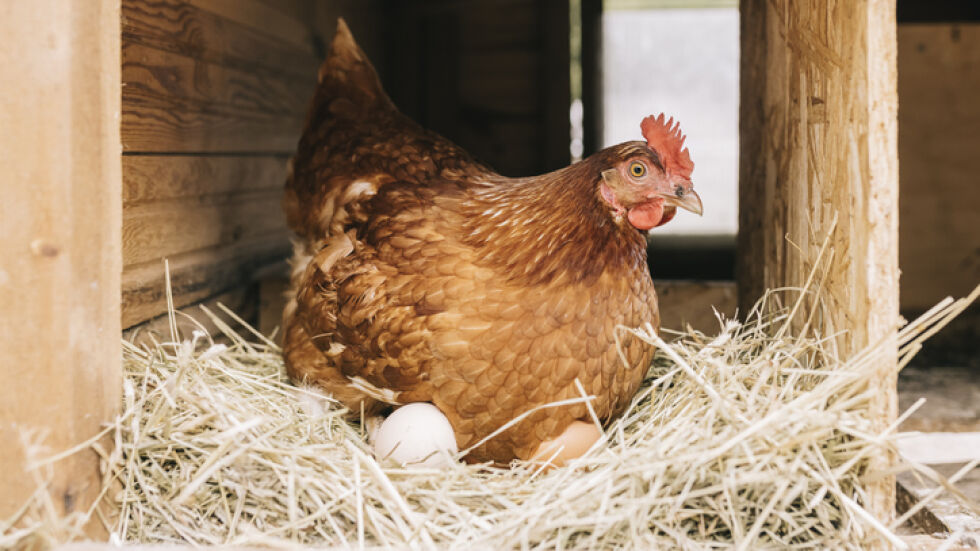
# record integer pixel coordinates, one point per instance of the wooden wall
(818, 130)
(214, 97)
(491, 75)
(215, 93)
(939, 148)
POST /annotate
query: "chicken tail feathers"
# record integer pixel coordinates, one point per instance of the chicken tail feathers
(348, 85)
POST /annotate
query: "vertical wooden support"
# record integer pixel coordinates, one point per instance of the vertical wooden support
(819, 140)
(592, 75)
(60, 259)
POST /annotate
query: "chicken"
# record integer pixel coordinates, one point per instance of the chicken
(421, 275)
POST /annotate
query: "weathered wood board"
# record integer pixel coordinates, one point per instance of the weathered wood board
(60, 255)
(819, 143)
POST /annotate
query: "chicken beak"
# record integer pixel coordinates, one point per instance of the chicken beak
(690, 200)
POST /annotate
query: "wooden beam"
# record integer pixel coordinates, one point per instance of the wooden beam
(555, 94)
(60, 256)
(818, 140)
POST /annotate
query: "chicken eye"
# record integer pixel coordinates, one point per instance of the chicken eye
(638, 170)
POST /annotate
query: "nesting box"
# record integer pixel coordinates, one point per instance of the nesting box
(139, 130)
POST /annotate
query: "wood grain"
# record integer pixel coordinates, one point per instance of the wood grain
(153, 123)
(149, 178)
(818, 129)
(150, 71)
(213, 217)
(183, 28)
(196, 275)
(156, 231)
(60, 254)
(214, 76)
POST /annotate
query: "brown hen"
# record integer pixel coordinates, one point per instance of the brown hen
(423, 276)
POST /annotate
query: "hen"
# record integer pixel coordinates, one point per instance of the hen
(422, 275)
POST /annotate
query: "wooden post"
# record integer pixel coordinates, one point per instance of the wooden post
(819, 140)
(60, 259)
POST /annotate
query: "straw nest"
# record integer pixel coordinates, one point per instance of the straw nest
(747, 439)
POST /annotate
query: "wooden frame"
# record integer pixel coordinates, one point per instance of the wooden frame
(818, 138)
(60, 255)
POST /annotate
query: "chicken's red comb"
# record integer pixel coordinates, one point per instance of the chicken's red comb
(664, 137)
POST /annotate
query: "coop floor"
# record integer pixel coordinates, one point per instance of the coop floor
(950, 423)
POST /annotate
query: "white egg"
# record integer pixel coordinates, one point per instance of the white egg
(415, 435)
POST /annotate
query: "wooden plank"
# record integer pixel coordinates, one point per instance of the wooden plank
(150, 71)
(164, 124)
(149, 178)
(196, 275)
(264, 18)
(60, 221)
(592, 75)
(819, 129)
(939, 136)
(179, 27)
(273, 286)
(214, 76)
(241, 300)
(154, 231)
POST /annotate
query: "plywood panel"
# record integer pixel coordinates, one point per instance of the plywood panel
(818, 136)
(938, 139)
(60, 255)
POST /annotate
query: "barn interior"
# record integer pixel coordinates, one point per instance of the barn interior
(215, 93)
(214, 99)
